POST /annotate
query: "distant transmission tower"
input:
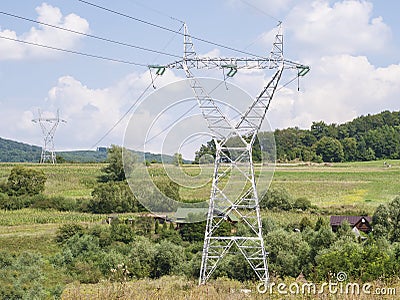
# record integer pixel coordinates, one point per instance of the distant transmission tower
(49, 127)
(234, 157)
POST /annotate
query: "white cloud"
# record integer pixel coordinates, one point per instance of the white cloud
(92, 112)
(43, 35)
(336, 39)
(338, 89)
(345, 27)
(212, 53)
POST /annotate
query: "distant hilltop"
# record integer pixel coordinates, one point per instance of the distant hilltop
(13, 151)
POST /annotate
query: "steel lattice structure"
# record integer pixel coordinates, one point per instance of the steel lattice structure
(49, 127)
(234, 154)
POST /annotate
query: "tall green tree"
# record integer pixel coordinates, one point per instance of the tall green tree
(206, 153)
(330, 149)
(116, 157)
(177, 160)
(387, 219)
(349, 149)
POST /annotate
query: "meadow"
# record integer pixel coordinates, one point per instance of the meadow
(359, 186)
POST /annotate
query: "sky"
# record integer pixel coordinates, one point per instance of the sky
(351, 46)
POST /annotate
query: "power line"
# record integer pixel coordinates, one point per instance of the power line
(167, 29)
(133, 105)
(168, 43)
(90, 35)
(158, 12)
(74, 52)
(261, 11)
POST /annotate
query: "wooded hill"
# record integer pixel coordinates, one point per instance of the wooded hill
(365, 138)
(12, 151)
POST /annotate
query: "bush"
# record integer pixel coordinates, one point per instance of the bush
(168, 259)
(21, 277)
(289, 252)
(387, 220)
(121, 232)
(141, 257)
(14, 202)
(277, 198)
(66, 231)
(302, 203)
(58, 203)
(24, 181)
(81, 255)
(113, 197)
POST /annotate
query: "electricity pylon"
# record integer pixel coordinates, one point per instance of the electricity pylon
(233, 159)
(49, 127)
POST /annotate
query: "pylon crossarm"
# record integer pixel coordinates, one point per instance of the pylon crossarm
(235, 63)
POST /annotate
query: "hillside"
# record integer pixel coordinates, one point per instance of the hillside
(12, 151)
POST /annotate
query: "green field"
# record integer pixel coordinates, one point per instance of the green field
(358, 186)
(351, 184)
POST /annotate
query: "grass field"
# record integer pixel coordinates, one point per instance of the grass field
(361, 184)
(358, 186)
(351, 184)
(67, 180)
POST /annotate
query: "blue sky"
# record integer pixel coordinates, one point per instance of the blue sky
(352, 47)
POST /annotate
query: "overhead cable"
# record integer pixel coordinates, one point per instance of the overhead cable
(74, 52)
(89, 35)
(167, 29)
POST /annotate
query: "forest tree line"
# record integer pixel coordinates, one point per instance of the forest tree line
(365, 138)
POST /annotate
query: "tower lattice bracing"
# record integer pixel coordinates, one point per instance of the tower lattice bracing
(233, 161)
(48, 127)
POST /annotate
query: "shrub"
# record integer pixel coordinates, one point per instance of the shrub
(121, 233)
(278, 198)
(112, 197)
(66, 231)
(24, 181)
(168, 259)
(302, 203)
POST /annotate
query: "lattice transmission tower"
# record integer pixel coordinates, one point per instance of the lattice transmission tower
(234, 153)
(49, 127)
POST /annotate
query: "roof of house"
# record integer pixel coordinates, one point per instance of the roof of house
(353, 220)
(153, 215)
(183, 213)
